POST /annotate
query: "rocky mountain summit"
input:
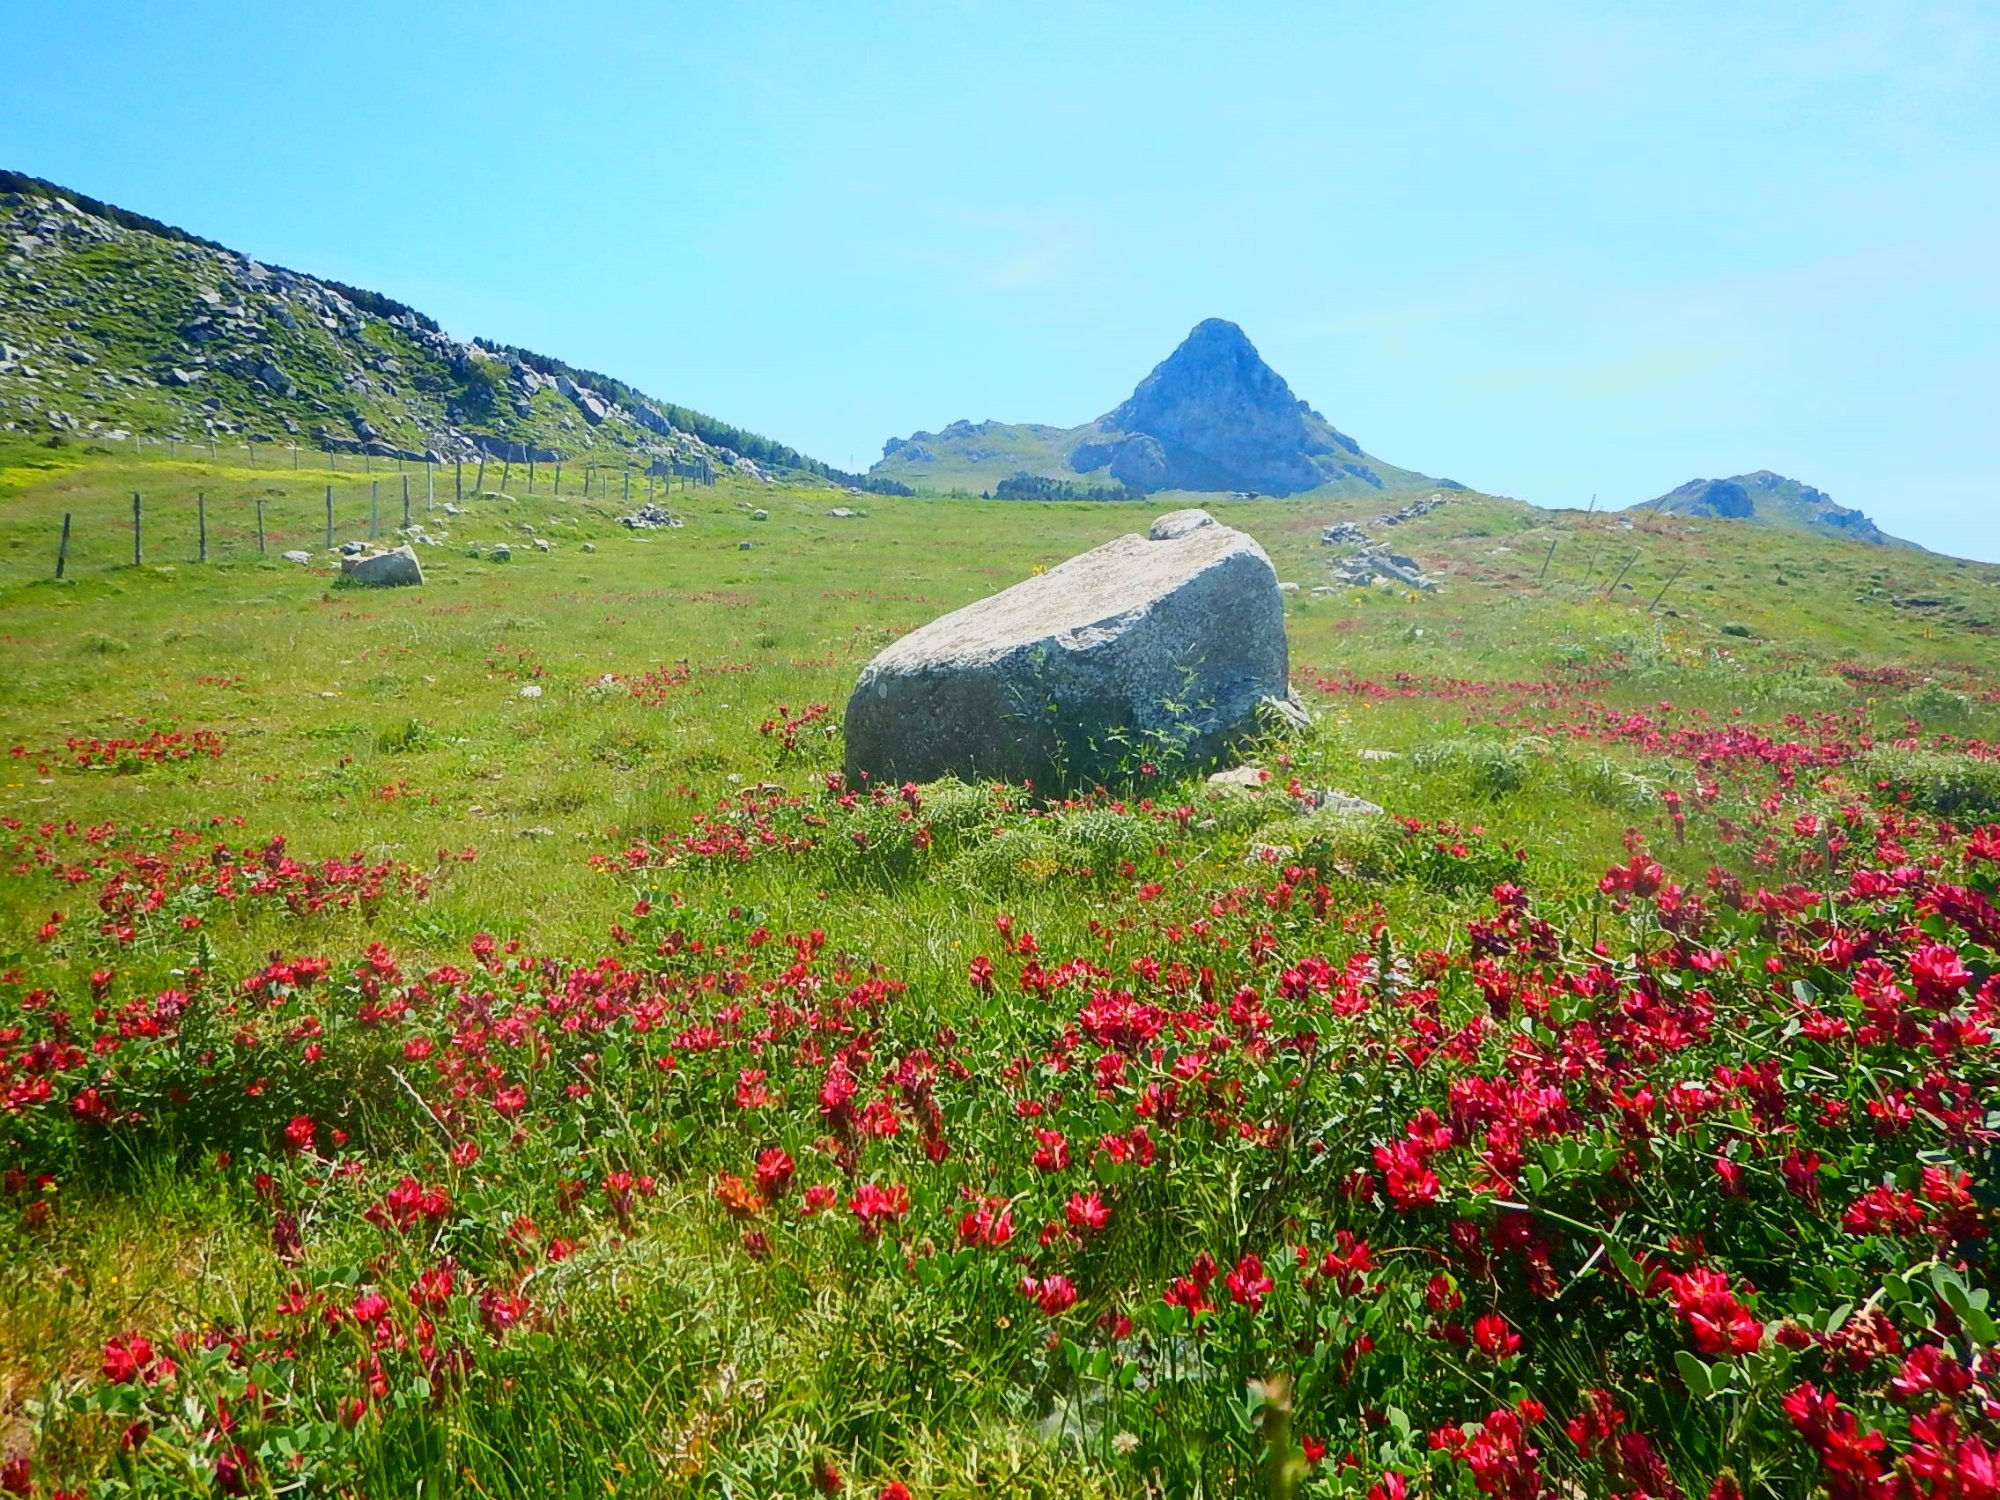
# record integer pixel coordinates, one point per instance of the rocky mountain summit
(113, 324)
(1768, 499)
(1211, 417)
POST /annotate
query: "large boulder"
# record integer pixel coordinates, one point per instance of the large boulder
(385, 569)
(1146, 648)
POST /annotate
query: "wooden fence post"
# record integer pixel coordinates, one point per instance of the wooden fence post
(374, 507)
(558, 479)
(295, 457)
(479, 484)
(458, 480)
(201, 526)
(430, 486)
(406, 502)
(251, 449)
(531, 471)
(260, 525)
(329, 516)
(62, 548)
(506, 472)
(628, 484)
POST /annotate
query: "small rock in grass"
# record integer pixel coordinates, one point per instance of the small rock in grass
(298, 557)
(590, 546)
(1244, 778)
(531, 691)
(501, 553)
(1381, 755)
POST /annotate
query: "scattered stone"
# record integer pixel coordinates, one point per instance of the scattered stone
(501, 553)
(1336, 804)
(842, 513)
(531, 691)
(742, 546)
(1375, 563)
(1343, 532)
(589, 547)
(1413, 510)
(760, 515)
(1067, 675)
(398, 568)
(297, 557)
(651, 517)
(538, 833)
(1288, 588)
(541, 544)
(1379, 755)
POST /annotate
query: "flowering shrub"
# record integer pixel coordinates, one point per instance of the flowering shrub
(1677, 1183)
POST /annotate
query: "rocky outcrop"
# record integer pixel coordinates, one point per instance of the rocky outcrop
(1146, 648)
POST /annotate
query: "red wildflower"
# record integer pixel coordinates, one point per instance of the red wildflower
(1248, 1285)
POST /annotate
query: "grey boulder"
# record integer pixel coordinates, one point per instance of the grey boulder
(392, 569)
(1162, 648)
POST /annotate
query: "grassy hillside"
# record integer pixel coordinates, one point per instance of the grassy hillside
(114, 326)
(476, 1016)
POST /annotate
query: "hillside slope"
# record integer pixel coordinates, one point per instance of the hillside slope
(114, 324)
(1212, 417)
(1768, 499)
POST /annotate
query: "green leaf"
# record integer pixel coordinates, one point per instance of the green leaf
(1694, 1372)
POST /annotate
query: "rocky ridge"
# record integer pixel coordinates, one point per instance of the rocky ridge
(113, 325)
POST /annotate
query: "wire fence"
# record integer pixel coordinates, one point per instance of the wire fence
(191, 508)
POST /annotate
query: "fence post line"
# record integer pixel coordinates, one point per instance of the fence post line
(138, 551)
(201, 526)
(62, 549)
(260, 525)
(329, 516)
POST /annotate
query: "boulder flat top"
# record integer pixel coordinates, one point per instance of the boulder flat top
(1075, 600)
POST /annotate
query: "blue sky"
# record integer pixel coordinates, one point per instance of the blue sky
(1551, 250)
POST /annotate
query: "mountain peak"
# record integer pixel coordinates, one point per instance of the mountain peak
(1765, 498)
(1212, 416)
